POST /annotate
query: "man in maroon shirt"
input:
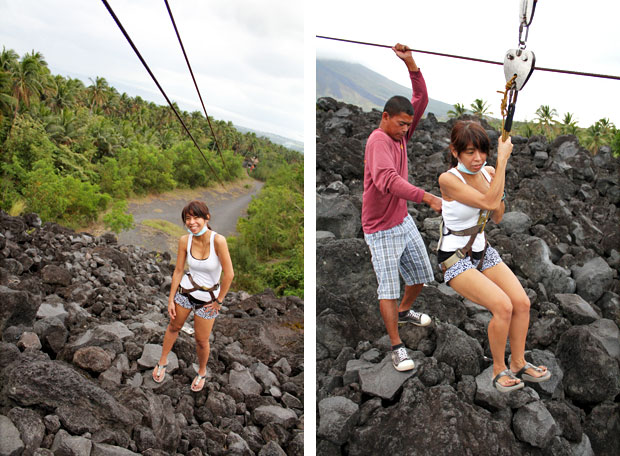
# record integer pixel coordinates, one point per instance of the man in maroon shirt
(394, 241)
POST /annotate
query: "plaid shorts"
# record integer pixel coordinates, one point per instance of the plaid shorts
(398, 249)
(491, 258)
(183, 301)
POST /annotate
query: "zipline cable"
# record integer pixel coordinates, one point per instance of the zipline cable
(473, 59)
(120, 26)
(195, 84)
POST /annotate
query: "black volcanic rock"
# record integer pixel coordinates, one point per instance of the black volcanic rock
(560, 237)
(99, 310)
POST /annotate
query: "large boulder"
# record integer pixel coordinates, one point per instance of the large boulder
(18, 308)
(456, 348)
(450, 426)
(534, 260)
(591, 375)
(52, 384)
(30, 426)
(603, 428)
(534, 424)
(337, 215)
(337, 416)
(10, 442)
(593, 279)
(576, 309)
(383, 380)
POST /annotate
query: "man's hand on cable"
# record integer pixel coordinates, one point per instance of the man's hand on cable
(433, 201)
(405, 55)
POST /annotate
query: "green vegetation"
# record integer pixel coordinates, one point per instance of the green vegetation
(602, 133)
(167, 227)
(72, 152)
(269, 249)
(75, 153)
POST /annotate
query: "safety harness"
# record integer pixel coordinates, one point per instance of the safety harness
(466, 250)
(196, 302)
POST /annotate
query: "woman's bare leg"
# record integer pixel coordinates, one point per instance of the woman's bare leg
(202, 331)
(172, 332)
(476, 287)
(501, 275)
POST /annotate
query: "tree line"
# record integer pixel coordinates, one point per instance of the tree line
(547, 122)
(72, 152)
(69, 151)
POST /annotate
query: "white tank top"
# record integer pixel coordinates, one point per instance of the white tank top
(205, 272)
(458, 216)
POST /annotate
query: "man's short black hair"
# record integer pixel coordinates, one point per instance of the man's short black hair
(398, 104)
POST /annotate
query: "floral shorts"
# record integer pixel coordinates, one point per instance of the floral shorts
(491, 258)
(183, 301)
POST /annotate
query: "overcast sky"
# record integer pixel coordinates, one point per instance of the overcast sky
(247, 56)
(565, 34)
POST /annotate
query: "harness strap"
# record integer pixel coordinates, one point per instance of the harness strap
(197, 287)
(463, 252)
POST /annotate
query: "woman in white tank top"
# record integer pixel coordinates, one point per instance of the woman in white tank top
(206, 254)
(467, 189)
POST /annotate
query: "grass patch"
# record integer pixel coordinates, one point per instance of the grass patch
(17, 208)
(165, 226)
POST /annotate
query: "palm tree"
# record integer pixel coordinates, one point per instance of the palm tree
(458, 111)
(7, 102)
(63, 95)
(569, 124)
(595, 137)
(607, 127)
(545, 116)
(98, 92)
(480, 108)
(8, 59)
(27, 81)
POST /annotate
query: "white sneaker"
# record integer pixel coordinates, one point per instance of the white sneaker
(417, 318)
(401, 360)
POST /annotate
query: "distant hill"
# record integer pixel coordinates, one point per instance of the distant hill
(355, 84)
(283, 141)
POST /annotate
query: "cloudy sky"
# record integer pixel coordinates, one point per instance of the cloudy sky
(565, 34)
(247, 56)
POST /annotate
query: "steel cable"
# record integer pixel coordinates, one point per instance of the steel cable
(120, 26)
(473, 59)
(195, 84)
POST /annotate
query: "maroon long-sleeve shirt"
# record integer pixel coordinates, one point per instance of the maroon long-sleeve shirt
(386, 188)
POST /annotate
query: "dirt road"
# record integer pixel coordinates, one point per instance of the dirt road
(225, 205)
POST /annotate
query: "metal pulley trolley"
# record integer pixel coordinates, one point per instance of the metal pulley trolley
(518, 67)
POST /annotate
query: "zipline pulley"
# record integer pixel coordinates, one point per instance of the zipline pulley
(518, 67)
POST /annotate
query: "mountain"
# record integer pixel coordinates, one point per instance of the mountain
(355, 84)
(277, 139)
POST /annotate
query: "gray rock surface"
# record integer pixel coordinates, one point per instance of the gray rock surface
(534, 424)
(383, 380)
(576, 309)
(10, 442)
(593, 279)
(590, 373)
(337, 416)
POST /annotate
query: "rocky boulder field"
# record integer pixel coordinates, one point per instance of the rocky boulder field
(82, 320)
(561, 237)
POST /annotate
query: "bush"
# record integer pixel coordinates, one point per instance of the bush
(118, 219)
(62, 199)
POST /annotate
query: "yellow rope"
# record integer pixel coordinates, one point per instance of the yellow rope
(504, 104)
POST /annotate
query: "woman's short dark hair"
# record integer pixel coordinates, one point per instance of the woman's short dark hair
(398, 104)
(466, 132)
(196, 209)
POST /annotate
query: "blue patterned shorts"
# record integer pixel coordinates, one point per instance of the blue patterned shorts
(399, 249)
(491, 258)
(183, 301)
